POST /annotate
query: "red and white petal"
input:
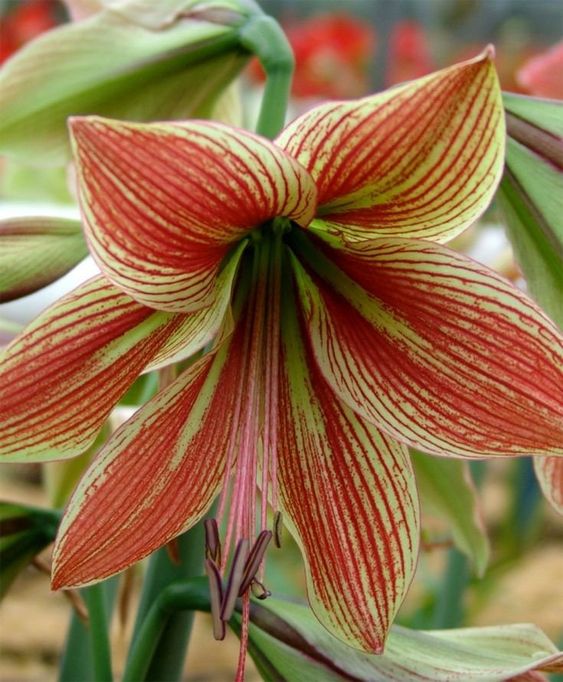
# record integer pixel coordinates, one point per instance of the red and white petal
(163, 203)
(155, 477)
(549, 472)
(420, 160)
(350, 496)
(436, 349)
(62, 376)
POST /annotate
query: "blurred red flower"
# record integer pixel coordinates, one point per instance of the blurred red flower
(409, 53)
(23, 22)
(332, 55)
(542, 75)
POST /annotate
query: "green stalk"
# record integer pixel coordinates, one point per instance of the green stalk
(78, 661)
(99, 637)
(264, 37)
(170, 647)
(449, 608)
(174, 599)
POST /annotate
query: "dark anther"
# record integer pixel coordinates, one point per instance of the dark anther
(216, 595)
(212, 542)
(278, 521)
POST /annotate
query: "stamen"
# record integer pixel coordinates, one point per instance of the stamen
(259, 590)
(216, 596)
(234, 580)
(278, 527)
(254, 560)
(212, 541)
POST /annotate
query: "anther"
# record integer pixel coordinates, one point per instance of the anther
(212, 541)
(254, 560)
(259, 590)
(278, 521)
(234, 580)
(216, 596)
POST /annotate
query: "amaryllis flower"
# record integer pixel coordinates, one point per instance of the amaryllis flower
(337, 330)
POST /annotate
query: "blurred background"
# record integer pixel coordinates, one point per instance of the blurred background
(343, 50)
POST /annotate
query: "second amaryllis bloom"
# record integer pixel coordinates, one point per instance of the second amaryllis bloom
(337, 329)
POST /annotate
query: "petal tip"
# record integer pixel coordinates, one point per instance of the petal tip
(489, 52)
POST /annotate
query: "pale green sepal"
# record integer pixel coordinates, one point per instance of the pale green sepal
(297, 647)
(543, 113)
(119, 63)
(531, 197)
(447, 490)
(35, 251)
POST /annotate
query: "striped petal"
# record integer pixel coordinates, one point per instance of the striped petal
(163, 203)
(60, 379)
(35, 251)
(155, 477)
(420, 160)
(549, 472)
(350, 496)
(436, 349)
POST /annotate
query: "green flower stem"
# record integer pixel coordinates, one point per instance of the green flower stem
(99, 637)
(169, 649)
(263, 36)
(449, 608)
(192, 595)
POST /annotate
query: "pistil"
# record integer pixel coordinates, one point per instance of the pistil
(255, 420)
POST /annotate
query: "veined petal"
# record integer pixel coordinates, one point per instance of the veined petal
(35, 251)
(62, 376)
(155, 477)
(436, 349)
(163, 203)
(350, 496)
(420, 160)
(549, 472)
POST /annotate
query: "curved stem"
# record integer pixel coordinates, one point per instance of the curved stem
(263, 36)
(169, 649)
(192, 595)
(99, 638)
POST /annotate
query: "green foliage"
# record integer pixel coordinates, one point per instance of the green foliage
(24, 533)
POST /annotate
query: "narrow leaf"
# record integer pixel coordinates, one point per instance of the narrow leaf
(295, 644)
(24, 532)
(446, 489)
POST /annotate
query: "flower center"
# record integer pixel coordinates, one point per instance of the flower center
(252, 446)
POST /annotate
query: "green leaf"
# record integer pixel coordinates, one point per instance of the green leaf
(35, 251)
(543, 113)
(530, 196)
(288, 643)
(136, 61)
(24, 532)
(446, 489)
